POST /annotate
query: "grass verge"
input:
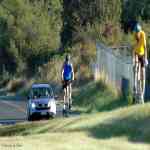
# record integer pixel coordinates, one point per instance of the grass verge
(128, 126)
(120, 128)
(97, 97)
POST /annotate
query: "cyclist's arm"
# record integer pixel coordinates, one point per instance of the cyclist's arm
(145, 47)
(133, 57)
(134, 49)
(62, 73)
(145, 52)
(72, 72)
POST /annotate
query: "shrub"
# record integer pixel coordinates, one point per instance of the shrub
(15, 85)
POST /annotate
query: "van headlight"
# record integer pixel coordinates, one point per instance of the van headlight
(33, 105)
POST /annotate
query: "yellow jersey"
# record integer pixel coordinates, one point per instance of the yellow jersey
(140, 43)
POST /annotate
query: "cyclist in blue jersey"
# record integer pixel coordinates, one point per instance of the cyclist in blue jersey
(67, 78)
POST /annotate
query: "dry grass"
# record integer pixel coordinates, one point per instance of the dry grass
(15, 85)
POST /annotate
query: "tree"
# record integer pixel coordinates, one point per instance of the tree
(136, 10)
(81, 13)
(32, 27)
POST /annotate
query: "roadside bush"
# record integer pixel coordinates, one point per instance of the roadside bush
(98, 96)
(15, 85)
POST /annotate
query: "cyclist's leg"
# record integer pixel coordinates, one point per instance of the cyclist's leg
(67, 94)
(70, 95)
(135, 71)
(142, 82)
(143, 79)
(65, 87)
(67, 101)
(137, 80)
(140, 95)
(137, 95)
(65, 97)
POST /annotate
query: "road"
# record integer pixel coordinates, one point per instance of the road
(13, 111)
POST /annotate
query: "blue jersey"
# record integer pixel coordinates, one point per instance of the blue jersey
(67, 72)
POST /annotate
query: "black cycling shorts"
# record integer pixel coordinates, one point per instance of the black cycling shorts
(66, 83)
(141, 59)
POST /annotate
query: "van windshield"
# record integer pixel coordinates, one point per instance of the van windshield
(41, 92)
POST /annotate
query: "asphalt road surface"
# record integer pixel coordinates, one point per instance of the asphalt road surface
(14, 111)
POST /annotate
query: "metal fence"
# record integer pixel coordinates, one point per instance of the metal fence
(115, 65)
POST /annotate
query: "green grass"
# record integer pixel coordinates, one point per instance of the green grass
(98, 97)
(127, 126)
(113, 126)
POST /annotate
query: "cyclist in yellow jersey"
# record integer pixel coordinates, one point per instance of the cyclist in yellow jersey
(140, 46)
(139, 58)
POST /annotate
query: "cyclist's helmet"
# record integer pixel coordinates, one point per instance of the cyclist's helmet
(137, 27)
(134, 26)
